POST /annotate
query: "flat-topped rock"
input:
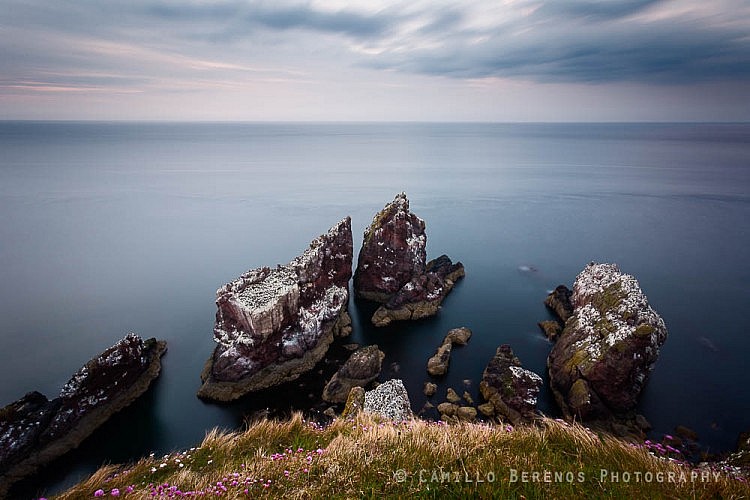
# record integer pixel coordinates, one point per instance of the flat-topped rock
(35, 431)
(272, 325)
(603, 357)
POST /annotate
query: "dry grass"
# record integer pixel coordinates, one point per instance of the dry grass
(372, 458)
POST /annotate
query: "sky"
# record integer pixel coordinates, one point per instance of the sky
(370, 60)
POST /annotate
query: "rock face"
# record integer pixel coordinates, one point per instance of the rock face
(392, 267)
(560, 302)
(600, 363)
(393, 252)
(272, 325)
(438, 364)
(422, 295)
(551, 329)
(362, 367)
(389, 400)
(511, 389)
(34, 431)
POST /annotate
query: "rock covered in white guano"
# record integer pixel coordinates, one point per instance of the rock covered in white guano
(389, 400)
(35, 431)
(272, 325)
(511, 389)
(603, 357)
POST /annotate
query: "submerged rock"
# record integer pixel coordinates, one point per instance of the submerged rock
(389, 400)
(362, 367)
(511, 389)
(35, 431)
(392, 267)
(272, 325)
(601, 361)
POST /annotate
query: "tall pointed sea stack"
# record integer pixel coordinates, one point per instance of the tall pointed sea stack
(272, 325)
(393, 252)
(392, 267)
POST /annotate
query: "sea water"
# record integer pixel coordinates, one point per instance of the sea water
(107, 228)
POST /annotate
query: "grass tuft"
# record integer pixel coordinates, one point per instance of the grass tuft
(373, 458)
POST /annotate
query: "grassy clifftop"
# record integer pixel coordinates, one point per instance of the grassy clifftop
(372, 458)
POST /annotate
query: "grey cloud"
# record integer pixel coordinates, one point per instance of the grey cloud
(594, 10)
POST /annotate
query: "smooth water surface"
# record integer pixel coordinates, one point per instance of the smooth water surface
(108, 228)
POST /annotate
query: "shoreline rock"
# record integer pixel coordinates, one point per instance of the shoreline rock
(438, 364)
(34, 431)
(362, 367)
(509, 388)
(602, 359)
(272, 325)
(389, 400)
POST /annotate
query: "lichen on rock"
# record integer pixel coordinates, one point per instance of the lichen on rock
(509, 388)
(602, 359)
(389, 400)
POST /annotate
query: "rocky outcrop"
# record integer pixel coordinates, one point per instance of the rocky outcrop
(272, 325)
(362, 367)
(355, 401)
(559, 301)
(392, 267)
(35, 431)
(393, 252)
(438, 364)
(511, 389)
(601, 361)
(551, 329)
(389, 400)
(422, 295)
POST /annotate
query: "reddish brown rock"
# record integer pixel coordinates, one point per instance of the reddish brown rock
(272, 325)
(393, 252)
(422, 295)
(511, 389)
(601, 361)
(35, 431)
(559, 302)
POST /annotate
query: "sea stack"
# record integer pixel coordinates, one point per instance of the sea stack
(34, 431)
(272, 325)
(603, 357)
(392, 267)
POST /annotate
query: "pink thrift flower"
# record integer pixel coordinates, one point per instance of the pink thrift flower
(99, 493)
(115, 492)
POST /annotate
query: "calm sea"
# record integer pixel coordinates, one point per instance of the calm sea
(108, 228)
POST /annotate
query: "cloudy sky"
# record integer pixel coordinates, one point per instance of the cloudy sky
(372, 60)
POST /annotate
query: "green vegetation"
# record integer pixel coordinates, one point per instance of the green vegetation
(372, 458)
